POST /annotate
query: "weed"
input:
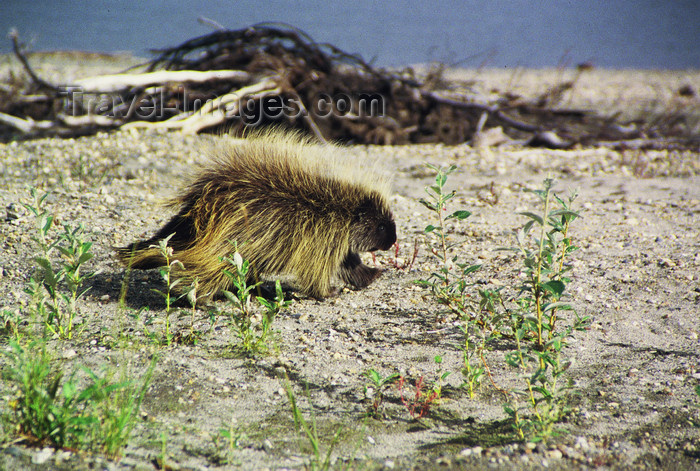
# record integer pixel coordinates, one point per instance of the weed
(319, 461)
(425, 395)
(450, 288)
(231, 438)
(48, 409)
(399, 263)
(419, 404)
(162, 458)
(170, 284)
(251, 328)
(532, 320)
(56, 308)
(170, 298)
(437, 204)
(375, 392)
(535, 323)
(9, 323)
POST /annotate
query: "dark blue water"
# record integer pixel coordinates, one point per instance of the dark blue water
(499, 33)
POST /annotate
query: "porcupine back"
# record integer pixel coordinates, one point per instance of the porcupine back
(288, 203)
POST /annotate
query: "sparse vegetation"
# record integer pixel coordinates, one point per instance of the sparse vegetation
(46, 402)
(530, 318)
(540, 337)
(451, 287)
(419, 402)
(55, 308)
(635, 375)
(319, 459)
(251, 328)
(375, 392)
(168, 295)
(87, 412)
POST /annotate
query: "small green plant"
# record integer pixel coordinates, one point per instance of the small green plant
(166, 272)
(442, 376)
(251, 328)
(450, 287)
(227, 440)
(375, 392)
(438, 204)
(319, 461)
(162, 458)
(170, 298)
(9, 323)
(529, 318)
(539, 337)
(48, 408)
(56, 308)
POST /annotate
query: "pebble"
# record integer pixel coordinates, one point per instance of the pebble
(42, 456)
(267, 446)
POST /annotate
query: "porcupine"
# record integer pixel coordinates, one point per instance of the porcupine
(294, 208)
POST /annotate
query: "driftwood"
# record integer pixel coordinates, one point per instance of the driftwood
(121, 82)
(275, 74)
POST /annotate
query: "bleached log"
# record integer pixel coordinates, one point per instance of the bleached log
(118, 82)
(25, 126)
(213, 112)
(216, 115)
(90, 120)
(64, 125)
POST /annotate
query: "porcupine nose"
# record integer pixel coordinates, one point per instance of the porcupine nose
(389, 236)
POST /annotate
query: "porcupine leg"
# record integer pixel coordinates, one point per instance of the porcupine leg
(356, 273)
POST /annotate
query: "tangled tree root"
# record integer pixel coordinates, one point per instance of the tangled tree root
(275, 74)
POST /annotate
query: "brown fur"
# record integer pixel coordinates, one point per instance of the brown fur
(294, 208)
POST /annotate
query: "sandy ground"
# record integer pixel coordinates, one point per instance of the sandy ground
(636, 276)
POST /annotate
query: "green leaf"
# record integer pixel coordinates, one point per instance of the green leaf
(230, 296)
(535, 217)
(441, 178)
(555, 287)
(47, 225)
(374, 376)
(430, 228)
(566, 213)
(459, 215)
(471, 269)
(84, 258)
(558, 305)
(427, 204)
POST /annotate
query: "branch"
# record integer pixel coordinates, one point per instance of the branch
(66, 125)
(14, 35)
(214, 112)
(117, 82)
(478, 106)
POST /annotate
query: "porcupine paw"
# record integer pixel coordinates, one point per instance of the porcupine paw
(361, 275)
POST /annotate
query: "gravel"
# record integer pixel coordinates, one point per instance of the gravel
(636, 275)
